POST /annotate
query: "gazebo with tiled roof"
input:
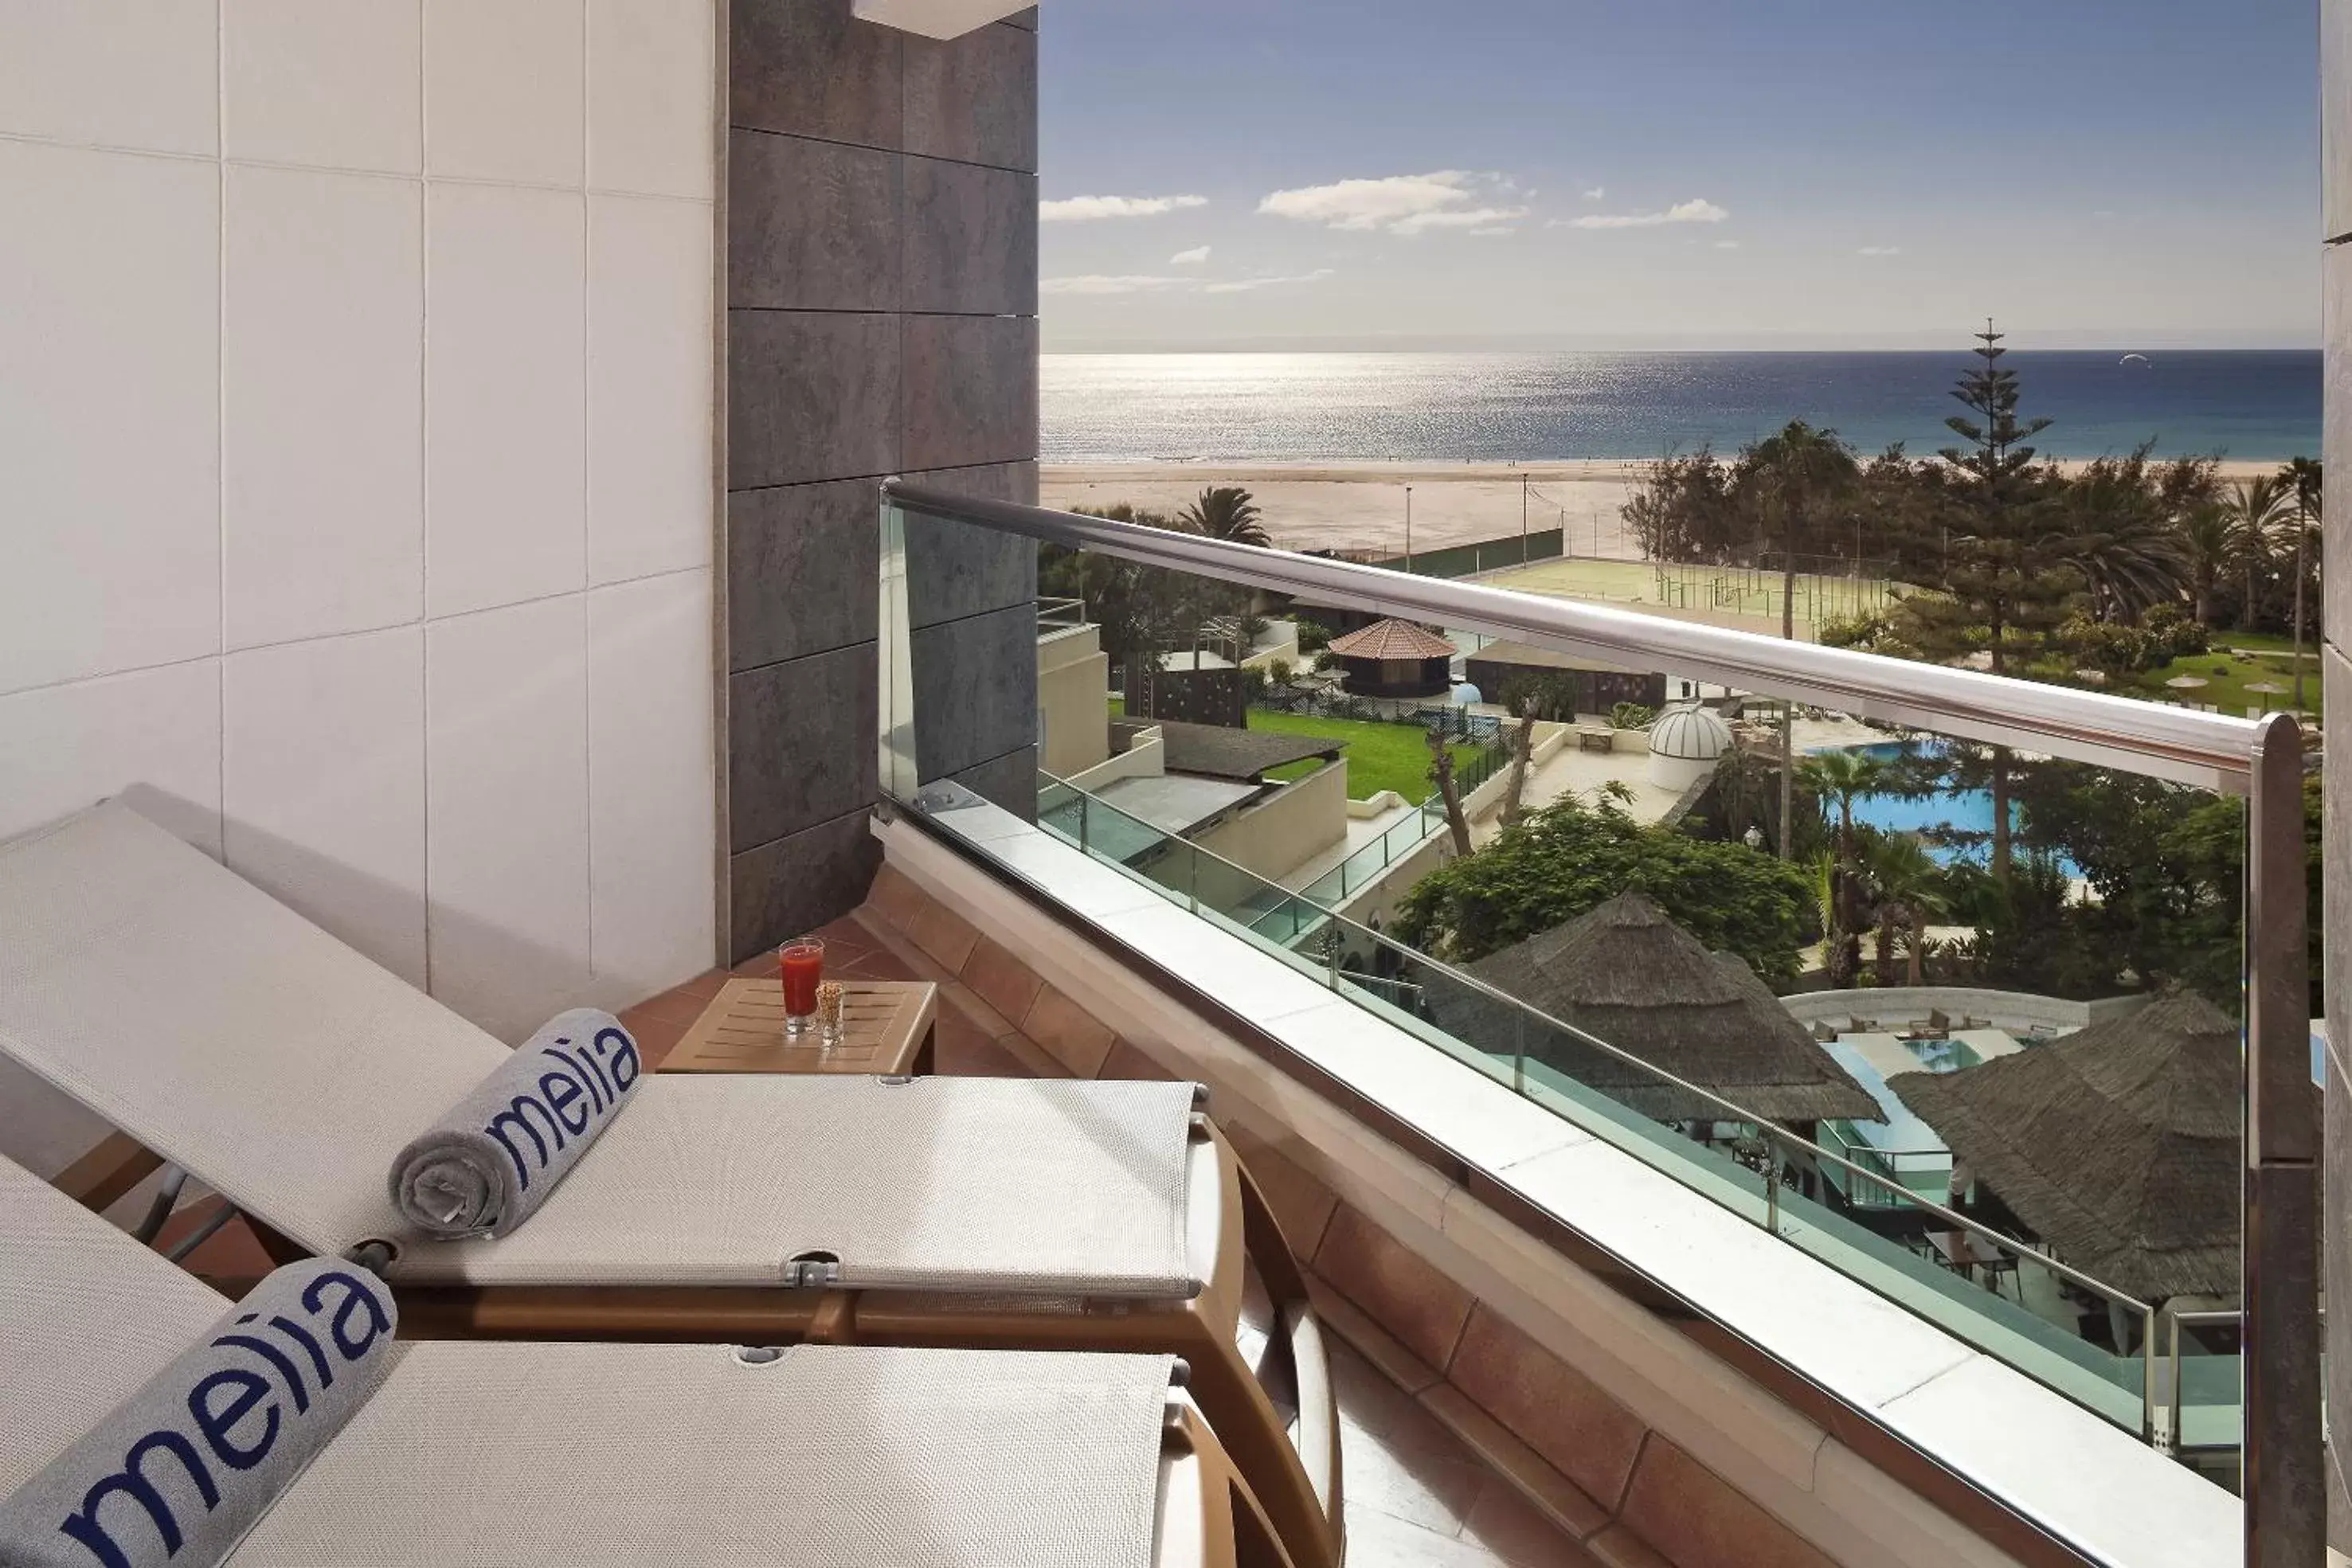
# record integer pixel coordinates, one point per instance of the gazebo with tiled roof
(1394, 659)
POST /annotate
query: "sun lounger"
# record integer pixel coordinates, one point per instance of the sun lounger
(223, 1034)
(597, 1456)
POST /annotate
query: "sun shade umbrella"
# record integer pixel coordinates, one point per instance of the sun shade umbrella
(2117, 1145)
(1624, 973)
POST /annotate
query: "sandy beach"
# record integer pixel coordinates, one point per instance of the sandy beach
(1361, 506)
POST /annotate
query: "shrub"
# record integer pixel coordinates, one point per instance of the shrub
(1313, 637)
(1280, 671)
(1632, 716)
(2180, 635)
(1853, 630)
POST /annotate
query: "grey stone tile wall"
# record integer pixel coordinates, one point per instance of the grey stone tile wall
(2336, 599)
(882, 297)
(975, 689)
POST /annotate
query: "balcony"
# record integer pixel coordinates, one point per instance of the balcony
(1888, 1272)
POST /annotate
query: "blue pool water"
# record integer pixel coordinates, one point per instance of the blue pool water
(1961, 810)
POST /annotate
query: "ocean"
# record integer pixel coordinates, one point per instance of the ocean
(2260, 404)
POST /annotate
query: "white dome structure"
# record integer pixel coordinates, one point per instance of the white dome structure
(1686, 743)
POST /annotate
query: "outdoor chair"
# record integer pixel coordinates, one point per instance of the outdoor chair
(218, 1030)
(598, 1456)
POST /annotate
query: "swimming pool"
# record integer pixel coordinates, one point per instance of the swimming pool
(1965, 811)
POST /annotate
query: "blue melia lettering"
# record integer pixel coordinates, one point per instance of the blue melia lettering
(240, 1405)
(132, 1481)
(585, 1084)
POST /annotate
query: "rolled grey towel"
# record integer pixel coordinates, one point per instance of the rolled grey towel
(493, 1158)
(175, 1475)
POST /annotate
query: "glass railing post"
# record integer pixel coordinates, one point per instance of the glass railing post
(2147, 1433)
(1772, 1182)
(1083, 800)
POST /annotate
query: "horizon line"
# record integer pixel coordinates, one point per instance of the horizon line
(1749, 344)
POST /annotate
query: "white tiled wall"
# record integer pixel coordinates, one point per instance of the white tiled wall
(355, 466)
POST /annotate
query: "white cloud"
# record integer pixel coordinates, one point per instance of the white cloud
(1691, 211)
(1086, 209)
(1594, 192)
(1399, 203)
(1478, 220)
(1152, 282)
(1101, 283)
(1726, 245)
(1193, 258)
(1244, 285)
(1880, 250)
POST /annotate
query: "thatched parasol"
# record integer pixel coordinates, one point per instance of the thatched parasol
(2119, 1145)
(1624, 973)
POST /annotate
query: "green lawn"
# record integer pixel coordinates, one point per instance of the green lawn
(2227, 679)
(1379, 756)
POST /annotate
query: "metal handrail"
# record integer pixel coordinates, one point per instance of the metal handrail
(2209, 750)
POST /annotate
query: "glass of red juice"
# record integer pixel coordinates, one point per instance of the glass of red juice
(802, 966)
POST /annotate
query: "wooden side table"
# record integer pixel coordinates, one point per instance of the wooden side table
(887, 1026)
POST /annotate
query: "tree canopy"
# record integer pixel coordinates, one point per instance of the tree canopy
(1561, 860)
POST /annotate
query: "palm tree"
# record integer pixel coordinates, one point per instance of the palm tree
(2120, 538)
(2257, 506)
(1225, 512)
(2302, 475)
(2206, 538)
(1797, 471)
(1842, 776)
(1907, 888)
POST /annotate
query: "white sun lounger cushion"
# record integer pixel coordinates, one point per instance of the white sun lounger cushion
(232, 1036)
(219, 1027)
(86, 1316)
(978, 1184)
(542, 1456)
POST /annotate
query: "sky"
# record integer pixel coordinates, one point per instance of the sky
(1678, 173)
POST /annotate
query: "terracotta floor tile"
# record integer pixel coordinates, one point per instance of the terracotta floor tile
(681, 1007)
(230, 1253)
(967, 1052)
(1070, 1034)
(655, 1035)
(1001, 980)
(946, 936)
(844, 940)
(1129, 1060)
(878, 965)
(893, 898)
